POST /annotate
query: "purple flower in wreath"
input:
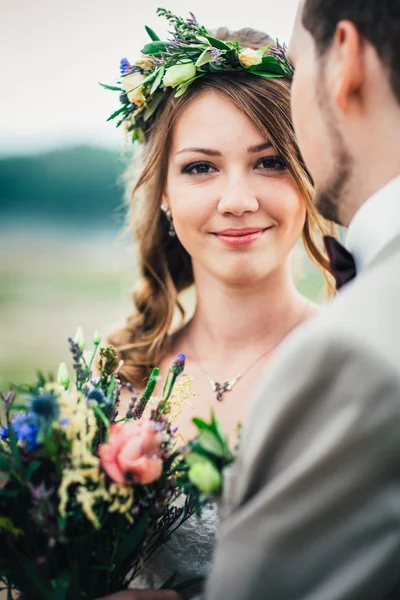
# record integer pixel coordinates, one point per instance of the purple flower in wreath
(125, 67)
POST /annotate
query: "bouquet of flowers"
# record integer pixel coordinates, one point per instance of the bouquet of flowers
(87, 495)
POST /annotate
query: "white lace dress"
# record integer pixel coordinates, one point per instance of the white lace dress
(188, 553)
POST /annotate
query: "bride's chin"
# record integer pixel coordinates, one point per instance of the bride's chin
(245, 276)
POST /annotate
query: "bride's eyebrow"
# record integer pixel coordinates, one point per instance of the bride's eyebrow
(206, 151)
(260, 147)
(211, 152)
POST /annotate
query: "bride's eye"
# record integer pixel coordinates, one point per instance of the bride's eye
(198, 168)
(272, 163)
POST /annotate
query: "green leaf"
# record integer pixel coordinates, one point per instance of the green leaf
(132, 539)
(154, 48)
(269, 64)
(31, 572)
(150, 110)
(160, 74)
(116, 113)
(217, 43)
(5, 463)
(204, 58)
(15, 452)
(200, 423)
(61, 586)
(32, 468)
(113, 88)
(8, 493)
(169, 583)
(181, 90)
(111, 385)
(208, 441)
(7, 525)
(268, 74)
(152, 35)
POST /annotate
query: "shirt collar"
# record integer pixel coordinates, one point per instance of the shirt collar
(375, 224)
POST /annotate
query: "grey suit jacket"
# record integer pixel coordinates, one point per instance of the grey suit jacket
(311, 508)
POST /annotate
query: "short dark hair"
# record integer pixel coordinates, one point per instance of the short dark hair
(378, 21)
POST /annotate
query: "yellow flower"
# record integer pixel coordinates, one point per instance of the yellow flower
(249, 57)
(145, 62)
(178, 74)
(133, 88)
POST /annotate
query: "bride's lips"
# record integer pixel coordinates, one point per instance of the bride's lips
(240, 237)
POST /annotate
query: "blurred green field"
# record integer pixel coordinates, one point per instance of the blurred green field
(53, 281)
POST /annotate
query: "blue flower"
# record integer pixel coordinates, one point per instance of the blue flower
(125, 67)
(97, 395)
(26, 428)
(45, 406)
(102, 400)
(4, 433)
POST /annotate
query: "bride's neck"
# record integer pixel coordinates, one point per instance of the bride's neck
(228, 316)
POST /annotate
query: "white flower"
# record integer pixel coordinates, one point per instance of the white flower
(63, 375)
(96, 338)
(133, 88)
(178, 74)
(249, 57)
(79, 339)
(145, 62)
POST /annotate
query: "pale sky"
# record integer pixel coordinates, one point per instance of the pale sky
(53, 53)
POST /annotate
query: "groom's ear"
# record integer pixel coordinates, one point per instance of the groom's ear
(348, 65)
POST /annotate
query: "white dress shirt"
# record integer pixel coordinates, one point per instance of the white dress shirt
(375, 224)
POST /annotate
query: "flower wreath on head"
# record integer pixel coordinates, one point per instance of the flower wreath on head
(190, 54)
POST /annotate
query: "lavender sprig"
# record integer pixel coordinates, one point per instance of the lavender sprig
(79, 364)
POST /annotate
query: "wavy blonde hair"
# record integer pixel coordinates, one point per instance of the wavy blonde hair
(165, 266)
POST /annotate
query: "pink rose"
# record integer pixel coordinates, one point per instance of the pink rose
(135, 448)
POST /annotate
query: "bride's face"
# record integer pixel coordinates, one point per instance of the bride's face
(235, 206)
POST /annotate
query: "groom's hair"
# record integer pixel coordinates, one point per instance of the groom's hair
(378, 21)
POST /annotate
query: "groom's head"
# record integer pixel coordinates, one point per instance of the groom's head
(346, 98)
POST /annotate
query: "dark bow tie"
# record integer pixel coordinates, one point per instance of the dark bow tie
(343, 266)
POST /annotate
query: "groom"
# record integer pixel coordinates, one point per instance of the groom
(312, 506)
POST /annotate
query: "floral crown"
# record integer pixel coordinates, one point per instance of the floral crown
(190, 54)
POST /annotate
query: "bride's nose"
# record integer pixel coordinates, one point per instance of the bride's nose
(237, 198)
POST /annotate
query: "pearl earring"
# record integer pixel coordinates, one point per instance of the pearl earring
(167, 211)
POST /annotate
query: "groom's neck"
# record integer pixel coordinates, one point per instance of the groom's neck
(376, 159)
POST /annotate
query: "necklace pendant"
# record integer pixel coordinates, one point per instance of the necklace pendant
(221, 388)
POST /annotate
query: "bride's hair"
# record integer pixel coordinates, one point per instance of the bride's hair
(165, 266)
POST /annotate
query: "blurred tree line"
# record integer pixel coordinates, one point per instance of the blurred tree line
(75, 186)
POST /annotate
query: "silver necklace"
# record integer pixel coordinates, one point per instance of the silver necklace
(221, 388)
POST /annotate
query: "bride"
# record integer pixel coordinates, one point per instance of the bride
(221, 200)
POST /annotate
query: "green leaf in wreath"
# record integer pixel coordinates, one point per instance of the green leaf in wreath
(152, 35)
(160, 74)
(154, 48)
(217, 43)
(116, 113)
(113, 88)
(204, 58)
